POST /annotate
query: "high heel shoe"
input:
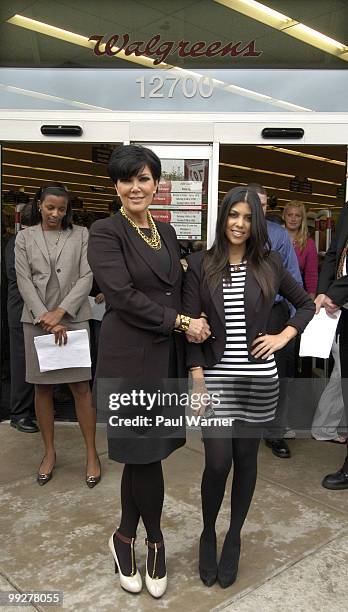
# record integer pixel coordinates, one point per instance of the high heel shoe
(228, 565)
(42, 478)
(156, 586)
(207, 560)
(92, 481)
(132, 583)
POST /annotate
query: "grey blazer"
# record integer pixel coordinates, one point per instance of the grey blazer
(33, 270)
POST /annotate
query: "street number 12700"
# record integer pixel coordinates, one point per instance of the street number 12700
(164, 87)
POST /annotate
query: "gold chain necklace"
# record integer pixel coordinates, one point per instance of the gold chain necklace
(154, 241)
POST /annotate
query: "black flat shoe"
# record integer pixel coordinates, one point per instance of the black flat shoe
(92, 481)
(44, 478)
(337, 481)
(207, 560)
(279, 448)
(25, 424)
(228, 565)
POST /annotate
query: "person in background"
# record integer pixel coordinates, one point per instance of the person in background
(280, 313)
(22, 406)
(333, 296)
(95, 325)
(330, 409)
(54, 280)
(235, 283)
(295, 218)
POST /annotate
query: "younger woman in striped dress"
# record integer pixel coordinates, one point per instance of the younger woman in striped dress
(235, 284)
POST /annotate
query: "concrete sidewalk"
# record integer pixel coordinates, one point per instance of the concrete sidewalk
(294, 546)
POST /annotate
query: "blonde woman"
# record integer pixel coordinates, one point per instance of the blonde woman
(295, 219)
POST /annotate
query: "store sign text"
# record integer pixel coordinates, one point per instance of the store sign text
(165, 87)
(159, 51)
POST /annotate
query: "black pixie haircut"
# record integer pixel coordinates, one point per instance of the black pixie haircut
(56, 189)
(128, 160)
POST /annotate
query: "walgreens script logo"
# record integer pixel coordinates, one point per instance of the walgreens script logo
(159, 51)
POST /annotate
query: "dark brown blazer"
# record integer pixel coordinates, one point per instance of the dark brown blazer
(137, 344)
(197, 298)
(142, 302)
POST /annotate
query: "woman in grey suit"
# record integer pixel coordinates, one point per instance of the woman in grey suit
(54, 280)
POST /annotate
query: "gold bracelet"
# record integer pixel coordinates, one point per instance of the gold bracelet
(184, 322)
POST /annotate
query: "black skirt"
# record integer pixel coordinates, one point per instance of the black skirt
(164, 431)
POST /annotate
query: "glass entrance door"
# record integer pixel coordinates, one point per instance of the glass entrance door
(185, 195)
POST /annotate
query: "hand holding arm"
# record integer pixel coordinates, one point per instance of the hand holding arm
(198, 330)
(51, 318)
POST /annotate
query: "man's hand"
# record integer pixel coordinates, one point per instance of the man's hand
(323, 301)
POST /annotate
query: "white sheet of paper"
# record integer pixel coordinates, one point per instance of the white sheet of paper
(317, 338)
(98, 310)
(74, 354)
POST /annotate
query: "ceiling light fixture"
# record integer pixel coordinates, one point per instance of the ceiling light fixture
(30, 178)
(54, 170)
(320, 195)
(302, 154)
(31, 152)
(302, 201)
(261, 171)
(287, 25)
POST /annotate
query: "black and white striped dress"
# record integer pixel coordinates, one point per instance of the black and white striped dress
(247, 391)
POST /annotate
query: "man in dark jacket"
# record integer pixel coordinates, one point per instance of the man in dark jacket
(22, 393)
(333, 296)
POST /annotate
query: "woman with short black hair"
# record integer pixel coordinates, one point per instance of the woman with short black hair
(136, 263)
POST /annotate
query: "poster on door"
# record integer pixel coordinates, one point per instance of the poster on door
(166, 186)
(178, 200)
(187, 223)
(197, 170)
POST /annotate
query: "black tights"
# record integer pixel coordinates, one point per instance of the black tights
(219, 454)
(142, 495)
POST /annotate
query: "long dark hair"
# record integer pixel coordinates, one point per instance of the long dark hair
(216, 260)
(56, 189)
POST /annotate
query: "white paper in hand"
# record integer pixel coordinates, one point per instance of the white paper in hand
(317, 338)
(74, 354)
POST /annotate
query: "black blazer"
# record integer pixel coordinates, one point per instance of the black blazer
(337, 290)
(141, 300)
(197, 298)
